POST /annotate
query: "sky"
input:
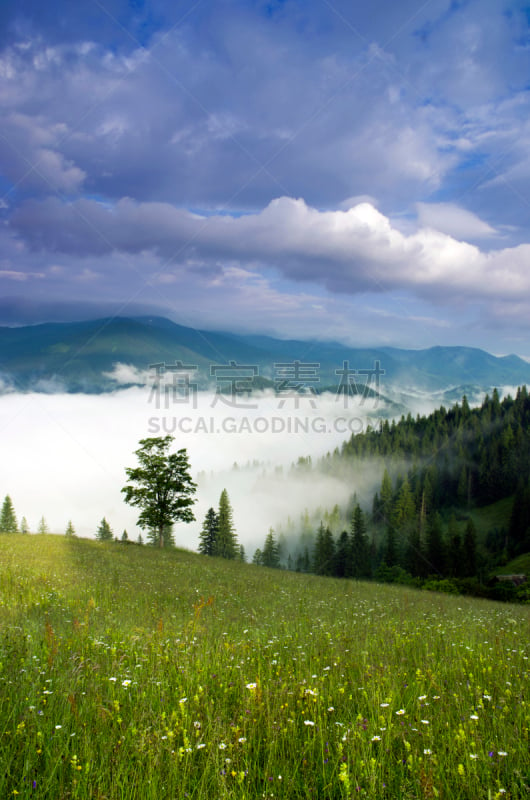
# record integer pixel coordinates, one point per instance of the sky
(329, 169)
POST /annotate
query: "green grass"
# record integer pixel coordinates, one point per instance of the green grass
(518, 566)
(126, 672)
(496, 515)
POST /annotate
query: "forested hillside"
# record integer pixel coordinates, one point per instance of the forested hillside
(453, 502)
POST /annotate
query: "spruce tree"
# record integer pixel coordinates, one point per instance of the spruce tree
(24, 527)
(360, 564)
(104, 531)
(270, 553)
(70, 530)
(226, 545)
(125, 536)
(209, 533)
(343, 556)
(43, 526)
(8, 520)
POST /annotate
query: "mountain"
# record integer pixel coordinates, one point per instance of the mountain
(82, 357)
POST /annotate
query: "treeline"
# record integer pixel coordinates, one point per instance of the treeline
(418, 527)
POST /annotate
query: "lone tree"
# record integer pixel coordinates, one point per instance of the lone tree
(70, 530)
(161, 487)
(104, 531)
(8, 520)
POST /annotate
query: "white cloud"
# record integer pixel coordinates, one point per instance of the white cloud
(453, 220)
(349, 251)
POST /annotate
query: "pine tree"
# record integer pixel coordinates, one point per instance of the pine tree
(343, 556)
(242, 554)
(125, 536)
(8, 520)
(139, 539)
(43, 526)
(226, 546)
(270, 553)
(360, 564)
(324, 555)
(257, 558)
(70, 530)
(24, 527)
(209, 533)
(435, 545)
(104, 531)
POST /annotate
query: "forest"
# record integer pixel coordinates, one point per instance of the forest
(452, 508)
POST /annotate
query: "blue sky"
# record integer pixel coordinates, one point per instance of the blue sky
(303, 168)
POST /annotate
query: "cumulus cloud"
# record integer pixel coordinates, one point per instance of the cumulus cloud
(346, 251)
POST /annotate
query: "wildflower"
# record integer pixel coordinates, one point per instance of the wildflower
(58, 727)
(422, 697)
(242, 739)
(251, 685)
(376, 738)
(425, 721)
(473, 756)
(427, 752)
(200, 746)
(113, 680)
(222, 746)
(331, 708)
(308, 722)
(473, 716)
(126, 683)
(502, 753)
(384, 705)
(400, 712)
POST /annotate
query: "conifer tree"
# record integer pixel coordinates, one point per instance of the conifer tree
(324, 554)
(257, 558)
(242, 554)
(343, 556)
(70, 530)
(435, 545)
(226, 545)
(359, 545)
(125, 536)
(8, 520)
(270, 554)
(104, 531)
(208, 534)
(24, 527)
(43, 526)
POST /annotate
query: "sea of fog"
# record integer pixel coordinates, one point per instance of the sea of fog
(64, 455)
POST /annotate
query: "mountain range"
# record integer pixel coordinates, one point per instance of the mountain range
(86, 357)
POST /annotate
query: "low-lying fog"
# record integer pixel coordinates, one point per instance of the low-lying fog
(64, 456)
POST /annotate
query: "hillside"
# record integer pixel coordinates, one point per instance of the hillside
(128, 673)
(78, 356)
(453, 500)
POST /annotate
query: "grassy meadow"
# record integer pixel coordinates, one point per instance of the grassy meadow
(126, 673)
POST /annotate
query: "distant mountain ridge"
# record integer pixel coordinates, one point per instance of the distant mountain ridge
(82, 356)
